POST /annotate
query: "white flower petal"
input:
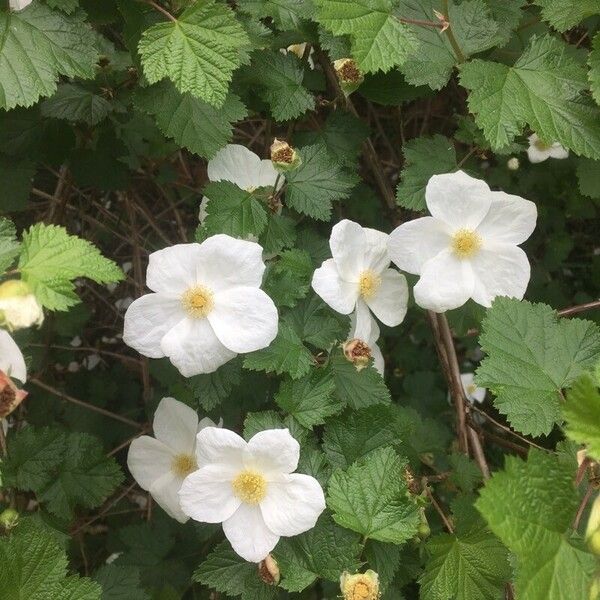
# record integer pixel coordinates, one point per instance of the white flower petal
(415, 242)
(148, 459)
(348, 242)
(12, 362)
(536, 155)
(226, 262)
(472, 391)
(220, 446)
(362, 324)
(390, 301)
(458, 199)
(148, 319)
(267, 175)
(375, 254)
(237, 164)
(193, 347)
(165, 491)
(272, 451)
(173, 270)
(446, 282)
(339, 294)
(378, 361)
(510, 219)
(557, 151)
(293, 504)
(244, 319)
(207, 495)
(175, 424)
(500, 270)
(248, 533)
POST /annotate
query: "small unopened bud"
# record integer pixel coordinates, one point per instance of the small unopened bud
(513, 163)
(360, 586)
(9, 518)
(423, 530)
(595, 590)
(592, 533)
(283, 156)
(357, 352)
(18, 306)
(348, 74)
(268, 570)
(10, 395)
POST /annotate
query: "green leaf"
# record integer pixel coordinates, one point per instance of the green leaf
(543, 90)
(65, 470)
(280, 233)
(120, 583)
(594, 64)
(51, 259)
(233, 211)
(530, 506)
(278, 79)
(472, 26)
(582, 414)
(288, 279)
(588, 176)
(316, 183)
(309, 400)
(322, 552)
(531, 356)
(16, 177)
(211, 389)
(34, 567)
(473, 566)
(371, 498)
(565, 14)
(198, 52)
(286, 14)
(75, 103)
(37, 45)
(423, 158)
(67, 6)
(286, 354)
(9, 247)
(192, 123)
(465, 473)
(379, 40)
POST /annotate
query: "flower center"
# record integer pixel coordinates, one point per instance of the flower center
(361, 590)
(368, 284)
(465, 243)
(541, 146)
(183, 465)
(471, 388)
(198, 302)
(250, 487)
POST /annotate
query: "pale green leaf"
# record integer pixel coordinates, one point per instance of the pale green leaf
(594, 64)
(582, 414)
(565, 14)
(9, 247)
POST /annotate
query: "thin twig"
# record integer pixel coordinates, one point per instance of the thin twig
(160, 9)
(582, 505)
(573, 310)
(439, 510)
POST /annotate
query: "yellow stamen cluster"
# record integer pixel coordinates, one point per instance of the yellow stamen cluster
(183, 465)
(471, 388)
(361, 586)
(198, 302)
(250, 487)
(465, 243)
(368, 284)
(542, 146)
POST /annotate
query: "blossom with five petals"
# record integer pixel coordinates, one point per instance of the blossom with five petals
(468, 248)
(206, 306)
(252, 489)
(473, 392)
(160, 464)
(539, 152)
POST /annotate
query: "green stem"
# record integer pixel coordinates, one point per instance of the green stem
(460, 57)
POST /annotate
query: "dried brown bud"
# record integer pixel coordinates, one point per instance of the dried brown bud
(348, 74)
(357, 352)
(283, 156)
(10, 395)
(268, 570)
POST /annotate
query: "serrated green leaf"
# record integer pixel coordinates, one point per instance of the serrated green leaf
(594, 64)
(371, 498)
(530, 506)
(588, 176)
(279, 233)
(191, 122)
(543, 90)
(120, 583)
(37, 45)
(582, 414)
(379, 40)
(288, 279)
(565, 14)
(473, 566)
(67, 6)
(9, 246)
(324, 551)
(286, 14)
(423, 158)
(531, 356)
(198, 52)
(269, 419)
(465, 473)
(309, 400)
(211, 389)
(316, 183)
(286, 354)
(75, 103)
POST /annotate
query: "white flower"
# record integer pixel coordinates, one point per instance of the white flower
(538, 151)
(473, 392)
(237, 164)
(18, 4)
(363, 327)
(12, 362)
(252, 489)
(299, 50)
(359, 274)
(18, 306)
(468, 247)
(161, 464)
(207, 305)
(513, 163)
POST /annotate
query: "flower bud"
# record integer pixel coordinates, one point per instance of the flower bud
(268, 570)
(348, 74)
(592, 533)
(360, 586)
(18, 306)
(594, 590)
(357, 352)
(9, 518)
(10, 395)
(283, 156)
(513, 163)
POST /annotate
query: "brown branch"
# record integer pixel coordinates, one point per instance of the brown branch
(582, 505)
(573, 310)
(421, 22)
(439, 510)
(162, 10)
